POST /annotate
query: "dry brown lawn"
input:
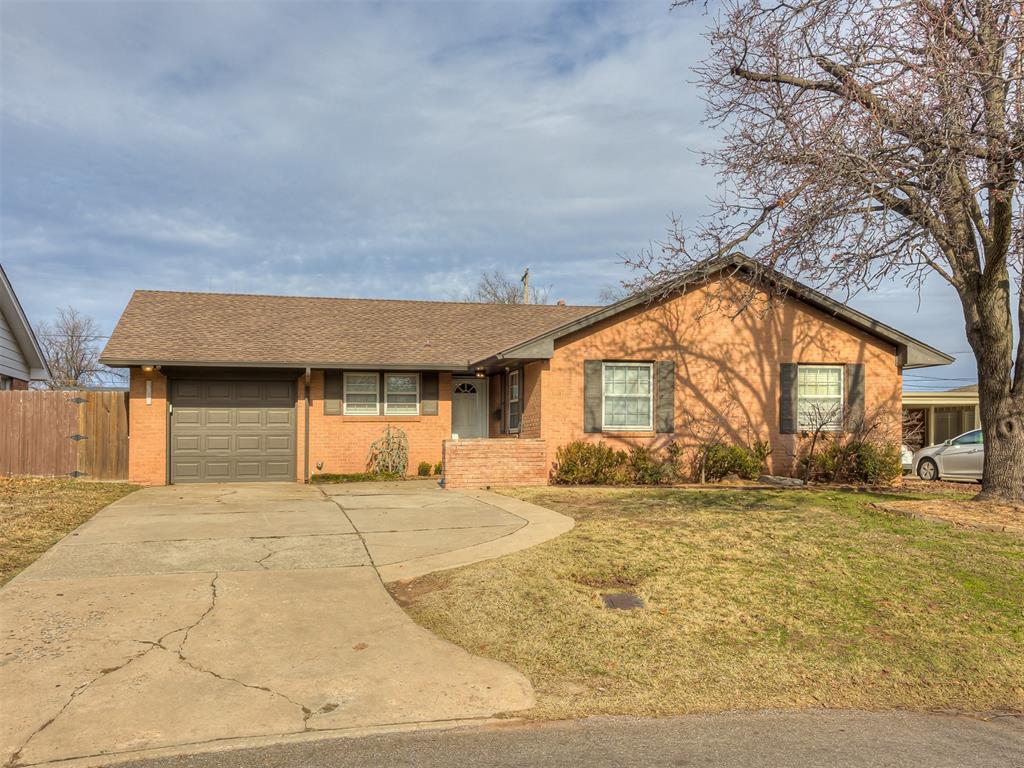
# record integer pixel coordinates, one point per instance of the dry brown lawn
(755, 600)
(36, 513)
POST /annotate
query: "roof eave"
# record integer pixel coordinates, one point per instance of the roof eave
(133, 362)
(22, 330)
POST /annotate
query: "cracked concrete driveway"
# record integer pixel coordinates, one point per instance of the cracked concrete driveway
(189, 616)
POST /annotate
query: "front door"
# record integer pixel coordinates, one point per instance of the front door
(469, 408)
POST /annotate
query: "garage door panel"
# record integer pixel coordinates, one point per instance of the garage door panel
(279, 444)
(250, 417)
(224, 431)
(279, 470)
(217, 443)
(280, 417)
(185, 417)
(249, 443)
(279, 390)
(185, 444)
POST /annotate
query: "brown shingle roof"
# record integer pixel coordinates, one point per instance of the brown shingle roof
(235, 329)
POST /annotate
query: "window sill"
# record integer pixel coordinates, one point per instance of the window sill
(381, 419)
(629, 432)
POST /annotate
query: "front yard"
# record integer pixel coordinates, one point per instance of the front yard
(755, 600)
(36, 513)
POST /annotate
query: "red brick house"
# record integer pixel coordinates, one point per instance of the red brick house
(21, 357)
(228, 387)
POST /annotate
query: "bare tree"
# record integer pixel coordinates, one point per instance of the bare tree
(612, 292)
(72, 348)
(866, 141)
(495, 287)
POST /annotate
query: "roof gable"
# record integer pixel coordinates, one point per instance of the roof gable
(19, 328)
(913, 353)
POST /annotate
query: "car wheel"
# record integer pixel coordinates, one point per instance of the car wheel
(928, 470)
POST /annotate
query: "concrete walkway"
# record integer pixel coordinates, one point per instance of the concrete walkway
(189, 617)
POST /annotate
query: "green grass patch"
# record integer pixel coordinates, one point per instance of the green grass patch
(755, 599)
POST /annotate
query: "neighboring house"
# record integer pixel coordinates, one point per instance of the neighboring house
(934, 417)
(240, 387)
(21, 357)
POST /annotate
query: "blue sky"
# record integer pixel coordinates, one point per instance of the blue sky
(385, 150)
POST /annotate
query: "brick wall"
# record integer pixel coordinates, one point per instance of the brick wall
(19, 384)
(147, 429)
(342, 443)
(483, 463)
(727, 370)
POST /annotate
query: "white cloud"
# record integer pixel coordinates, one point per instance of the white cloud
(348, 149)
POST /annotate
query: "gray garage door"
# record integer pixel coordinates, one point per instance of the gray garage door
(229, 431)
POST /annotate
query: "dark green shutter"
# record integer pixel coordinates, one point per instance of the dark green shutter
(428, 394)
(592, 394)
(854, 396)
(787, 398)
(332, 393)
(665, 397)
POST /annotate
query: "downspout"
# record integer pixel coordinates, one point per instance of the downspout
(305, 452)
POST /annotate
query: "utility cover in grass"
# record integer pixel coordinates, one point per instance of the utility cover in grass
(623, 601)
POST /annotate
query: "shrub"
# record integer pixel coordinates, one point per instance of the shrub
(352, 477)
(423, 470)
(389, 454)
(721, 460)
(854, 461)
(644, 468)
(583, 463)
(438, 468)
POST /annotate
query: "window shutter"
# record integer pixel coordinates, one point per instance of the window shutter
(592, 395)
(854, 396)
(665, 397)
(787, 398)
(332, 393)
(428, 393)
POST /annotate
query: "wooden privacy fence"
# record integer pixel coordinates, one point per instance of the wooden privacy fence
(72, 433)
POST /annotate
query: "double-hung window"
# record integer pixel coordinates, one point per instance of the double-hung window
(362, 394)
(819, 397)
(627, 399)
(515, 411)
(401, 394)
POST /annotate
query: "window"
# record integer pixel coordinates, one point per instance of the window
(820, 397)
(5, 382)
(515, 412)
(361, 390)
(627, 399)
(401, 394)
(971, 438)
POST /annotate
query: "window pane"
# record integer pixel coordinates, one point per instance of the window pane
(401, 383)
(627, 395)
(361, 382)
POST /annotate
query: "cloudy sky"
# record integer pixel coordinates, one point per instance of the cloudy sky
(344, 149)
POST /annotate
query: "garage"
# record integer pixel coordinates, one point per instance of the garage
(232, 431)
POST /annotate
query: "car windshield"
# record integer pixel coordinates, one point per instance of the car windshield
(970, 438)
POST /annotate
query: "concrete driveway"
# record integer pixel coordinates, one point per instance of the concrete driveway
(201, 616)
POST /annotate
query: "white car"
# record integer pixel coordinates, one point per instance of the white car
(962, 458)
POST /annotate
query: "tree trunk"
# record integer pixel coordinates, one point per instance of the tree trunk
(1001, 403)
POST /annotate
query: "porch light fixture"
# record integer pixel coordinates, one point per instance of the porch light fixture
(480, 373)
(147, 369)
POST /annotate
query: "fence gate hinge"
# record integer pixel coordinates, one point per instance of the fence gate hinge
(76, 438)
(77, 400)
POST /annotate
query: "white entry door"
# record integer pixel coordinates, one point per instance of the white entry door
(469, 408)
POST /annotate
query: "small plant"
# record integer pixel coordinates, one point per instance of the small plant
(423, 470)
(583, 463)
(389, 454)
(645, 468)
(438, 468)
(721, 460)
(854, 461)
